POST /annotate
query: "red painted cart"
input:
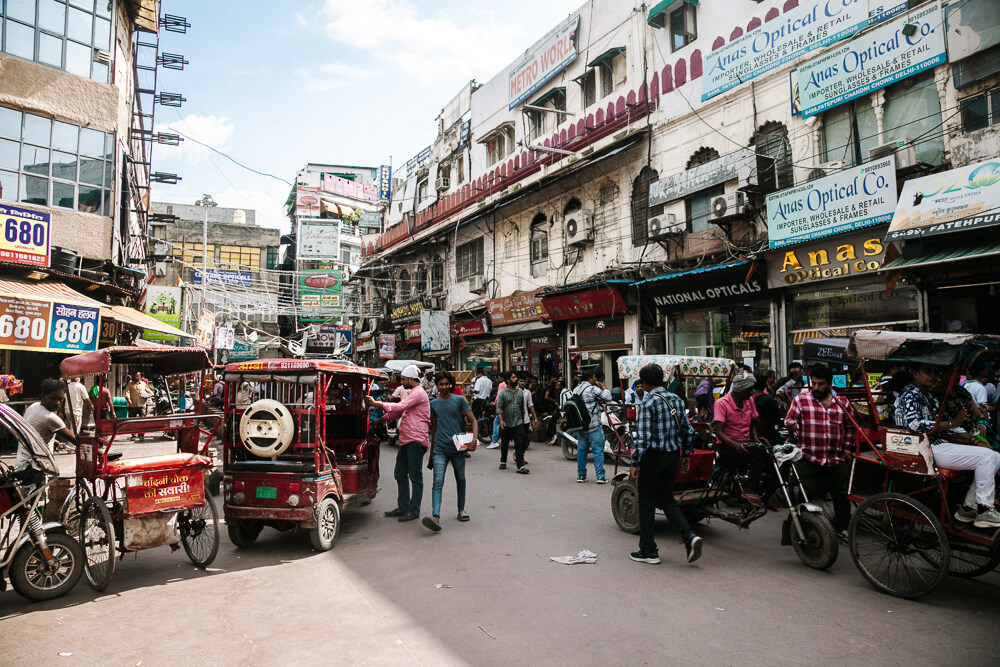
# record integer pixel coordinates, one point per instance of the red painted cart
(130, 504)
(297, 447)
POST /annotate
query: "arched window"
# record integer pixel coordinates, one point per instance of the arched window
(703, 155)
(421, 279)
(572, 205)
(404, 285)
(771, 139)
(437, 275)
(539, 245)
(641, 210)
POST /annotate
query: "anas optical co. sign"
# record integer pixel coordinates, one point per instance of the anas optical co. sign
(554, 54)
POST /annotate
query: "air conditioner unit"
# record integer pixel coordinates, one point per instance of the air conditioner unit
(826, 168)
(579, 227)
(477, 284)
(725, 206)
(442, 183)
(667, 224)
(902, 149)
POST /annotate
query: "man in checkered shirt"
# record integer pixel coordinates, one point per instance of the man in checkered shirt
(825, 429)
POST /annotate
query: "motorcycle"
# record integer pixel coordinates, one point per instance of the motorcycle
(617, 437)
(486, 423)
(41, 559)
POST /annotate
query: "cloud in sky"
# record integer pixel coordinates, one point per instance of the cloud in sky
(332, 76)
(214, 131)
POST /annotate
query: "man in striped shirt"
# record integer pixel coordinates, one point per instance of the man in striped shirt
(661, 432)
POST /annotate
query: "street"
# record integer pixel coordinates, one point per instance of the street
(484, 592)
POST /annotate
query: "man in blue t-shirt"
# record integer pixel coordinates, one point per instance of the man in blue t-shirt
(449, 413)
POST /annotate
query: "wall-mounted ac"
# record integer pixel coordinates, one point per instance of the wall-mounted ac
(826, 168)
(725, 206)
(901, 149)
(667, 224)
(442, 183)
(579, 226)
(477, 285)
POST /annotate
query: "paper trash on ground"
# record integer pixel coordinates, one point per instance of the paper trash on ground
(585, 556)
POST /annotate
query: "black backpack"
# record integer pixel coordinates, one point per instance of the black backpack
(575, 413)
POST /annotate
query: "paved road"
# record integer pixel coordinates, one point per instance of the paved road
(485, 593)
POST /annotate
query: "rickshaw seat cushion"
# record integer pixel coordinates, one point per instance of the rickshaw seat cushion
(150, 463)
(270, 466)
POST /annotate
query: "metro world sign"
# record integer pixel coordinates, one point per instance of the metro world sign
(545, 62)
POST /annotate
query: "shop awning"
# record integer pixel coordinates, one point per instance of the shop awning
(660, 12)
(550, 95)
(681, 274)
(133, 317)
(49, 290)
(943, 255)
(607, 56)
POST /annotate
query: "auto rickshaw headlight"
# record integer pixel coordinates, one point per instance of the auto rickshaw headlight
(293, 500)
(239, 498)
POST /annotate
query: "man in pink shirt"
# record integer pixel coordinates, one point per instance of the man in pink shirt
(414, 414)
(735, 427)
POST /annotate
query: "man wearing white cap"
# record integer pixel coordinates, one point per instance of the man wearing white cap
(414, 414)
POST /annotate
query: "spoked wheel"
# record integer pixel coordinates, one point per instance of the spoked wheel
(35, 579)
(625, 506)
(820, 548)
(971, 559)
(326, 525)
(200, 532)
(899, 546)
(243, 532)
(97, 537)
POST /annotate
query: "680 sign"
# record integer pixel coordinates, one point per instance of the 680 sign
(25, 238)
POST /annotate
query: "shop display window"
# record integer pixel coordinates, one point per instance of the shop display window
(741, 333)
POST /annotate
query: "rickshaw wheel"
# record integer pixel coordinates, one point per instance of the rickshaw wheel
(243, 532)
(200, 532)
(29, 577)
(899, 546)
(971, 559)
(625, 506)
(821, 546)
(326, 526)
(96, 533)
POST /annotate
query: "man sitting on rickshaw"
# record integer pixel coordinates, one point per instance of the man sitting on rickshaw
(916, 409)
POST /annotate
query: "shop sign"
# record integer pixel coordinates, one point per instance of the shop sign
(434, 331)
(417, 162)
(592, 303)
(333, 337)
(602, 332)
(242, 349)
(205, 333)
(542, 342)
(25, 236)
(871, 61)
(164, 304)
(714, 288)
(228, 278)
(411, 333)
(973, 27)
(515, 309)
(47, 326)
(318, 239)
(319, 294)
(344, 187)
(726, 168)
(543, 63)
(810, 26)
(386, 346)
(829, 259)
(409, 311)
(109, 333)
(964, 198)
(369, 221)
(469, 328)
(848, 200)
(367, 346)
(384, 184)
(306, 202)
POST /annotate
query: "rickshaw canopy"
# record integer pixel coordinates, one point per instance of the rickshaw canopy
(297, 366)
(157, 361)
(397, 365)
(937, 349)
(672, 365)
(837, 350)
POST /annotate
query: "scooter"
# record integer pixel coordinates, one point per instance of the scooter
(617, 437)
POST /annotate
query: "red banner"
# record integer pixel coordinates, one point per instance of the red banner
(412, 333)
(515, 309)
(165, 489)
(592, 303)
(470, 328)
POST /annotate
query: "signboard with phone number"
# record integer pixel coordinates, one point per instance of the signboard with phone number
(25, 237)
(47, 326)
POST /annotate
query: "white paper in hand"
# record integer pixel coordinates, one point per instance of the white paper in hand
(462, 441)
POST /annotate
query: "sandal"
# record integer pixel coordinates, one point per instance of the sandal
(463, 515)
(753, 499)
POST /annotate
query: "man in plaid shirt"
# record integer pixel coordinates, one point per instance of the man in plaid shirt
(658, 438)
(826, 434)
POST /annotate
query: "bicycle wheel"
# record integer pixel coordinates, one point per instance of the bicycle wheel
(899, 546)
(199, 528)
(97, 537)
(971, 559)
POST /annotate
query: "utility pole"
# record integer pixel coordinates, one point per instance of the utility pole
(206, 202)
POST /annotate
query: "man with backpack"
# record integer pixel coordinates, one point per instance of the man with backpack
(588, 396)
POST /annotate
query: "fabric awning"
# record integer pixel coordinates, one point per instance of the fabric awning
(954, 252)
(134, 318)
(47, 290)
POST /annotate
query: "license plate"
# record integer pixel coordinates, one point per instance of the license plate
(267, 492)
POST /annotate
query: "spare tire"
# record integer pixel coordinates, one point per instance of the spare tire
(267, 428)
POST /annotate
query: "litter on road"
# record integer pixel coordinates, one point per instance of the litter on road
(585, 556)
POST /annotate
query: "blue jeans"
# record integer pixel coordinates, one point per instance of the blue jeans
(441, 461)
(496, 429)
(409, 477)
(592, 441)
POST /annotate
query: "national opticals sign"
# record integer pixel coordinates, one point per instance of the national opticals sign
(545, 62)
(872, 61)
(847, 200)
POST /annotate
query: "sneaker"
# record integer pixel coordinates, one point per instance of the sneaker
(503, 466)
(432, 522)
(408, 517)
(966, 514)
(393, 513)
(493, 445)
(693, 547)
(988, 518)
(463, 515)
(602, 480)
(640, 557)
(580, 479)
(524, 471)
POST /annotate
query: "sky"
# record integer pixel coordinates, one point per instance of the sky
(275, 85)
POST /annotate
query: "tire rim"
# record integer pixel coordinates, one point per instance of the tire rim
(195, 532)
(45, 578)
(328, 524)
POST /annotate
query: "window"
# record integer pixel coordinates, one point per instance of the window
(641, 210)
(698, 208)
(272, 259)
(608, 193)
(345, 255)
(404, 285)
(190, 254)
(539, 246)
(239, 257)
(437, 276)
(683, 26)
(849, 132)
(499, 143)
(772, 140)
(536, 123)
(469, 259)
(421, 281)
(422, 191)
(589, 88)
(607, 71)
(554, 99)
(703, 155)
(981, 111)
(913, 112)
(51, 163)
(67, 37)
